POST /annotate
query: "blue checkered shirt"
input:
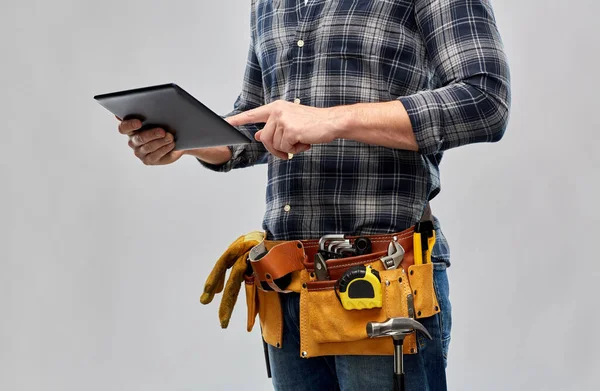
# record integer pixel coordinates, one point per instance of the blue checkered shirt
(443, 59)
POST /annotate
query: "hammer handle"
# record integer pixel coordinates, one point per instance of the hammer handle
(399, 382)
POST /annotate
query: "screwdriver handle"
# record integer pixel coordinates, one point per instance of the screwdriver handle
(430, 244)
(417, 249)
(424, 233)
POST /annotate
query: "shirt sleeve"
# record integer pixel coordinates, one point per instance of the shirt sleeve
(470, 99)
(251, 96)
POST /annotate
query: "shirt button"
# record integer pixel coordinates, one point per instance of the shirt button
(300, 43)
(287, 208)
(297, 101)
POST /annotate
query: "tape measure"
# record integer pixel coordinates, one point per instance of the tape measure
(359, 288)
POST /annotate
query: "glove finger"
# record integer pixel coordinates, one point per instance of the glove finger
(210, 290)
(216, 279)
(230, 256)
(220, 284)
(232, 290)
(217, 282)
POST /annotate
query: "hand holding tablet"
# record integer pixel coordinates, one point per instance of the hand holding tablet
(166, 121)
(152, 146)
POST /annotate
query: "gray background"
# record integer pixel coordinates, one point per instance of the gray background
(102, 259)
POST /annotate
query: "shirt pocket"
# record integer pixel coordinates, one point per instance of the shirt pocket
(363, 29)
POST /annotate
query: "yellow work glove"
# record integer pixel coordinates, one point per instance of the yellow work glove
(233, 258)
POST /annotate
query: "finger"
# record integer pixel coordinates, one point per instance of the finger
(279, 154)
(215, 280)
(277, 138)
(129, 126)
(154, 157)
(216, 286)
(266, 138)
(254, 116)
(299, 148)
(266, 135)
(154, 145)
(283, 142)
(286, 146)
(145, 136)
(232, 290)
(274, 143)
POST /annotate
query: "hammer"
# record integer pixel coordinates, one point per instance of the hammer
(397, 328)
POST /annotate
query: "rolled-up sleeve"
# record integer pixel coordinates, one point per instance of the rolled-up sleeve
(251, 96)
(470, 101)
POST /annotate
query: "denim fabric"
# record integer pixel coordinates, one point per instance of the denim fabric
(425, 371)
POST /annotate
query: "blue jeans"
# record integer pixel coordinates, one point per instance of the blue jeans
(425, 371)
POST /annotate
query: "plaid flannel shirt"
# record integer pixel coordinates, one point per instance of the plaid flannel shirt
(443, 59)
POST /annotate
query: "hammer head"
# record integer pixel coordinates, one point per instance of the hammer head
(397, 328)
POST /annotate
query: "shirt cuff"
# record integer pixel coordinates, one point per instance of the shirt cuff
(424, 110)
(243, 155)
(224, 167)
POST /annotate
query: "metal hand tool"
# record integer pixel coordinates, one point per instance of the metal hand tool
(321, 271)
(410, 301)
(335, 243)
(325, 238)
(337, 247)
(395, 255)
(362, 245)
(398, 329)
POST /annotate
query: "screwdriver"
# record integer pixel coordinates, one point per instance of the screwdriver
(423, 241)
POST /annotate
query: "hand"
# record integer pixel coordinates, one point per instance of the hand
(153, 146)
(291, 128)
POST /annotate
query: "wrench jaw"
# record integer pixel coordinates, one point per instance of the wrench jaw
(394, 257)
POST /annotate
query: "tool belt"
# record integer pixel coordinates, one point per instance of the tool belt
(346, 283)
(330, 325)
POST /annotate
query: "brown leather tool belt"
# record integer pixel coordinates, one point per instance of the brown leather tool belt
(327, 327)
(273, 260)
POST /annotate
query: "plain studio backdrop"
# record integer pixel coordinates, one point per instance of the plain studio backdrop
(103, 259)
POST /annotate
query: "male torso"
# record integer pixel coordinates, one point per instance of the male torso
(339, 52)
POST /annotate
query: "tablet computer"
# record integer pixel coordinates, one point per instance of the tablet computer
(170, 107)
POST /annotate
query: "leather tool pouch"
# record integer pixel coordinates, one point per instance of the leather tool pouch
(276, 269)
(326, 328)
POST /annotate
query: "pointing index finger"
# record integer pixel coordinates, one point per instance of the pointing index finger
(254, 116)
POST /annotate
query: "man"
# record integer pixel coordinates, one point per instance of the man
(359, 100)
